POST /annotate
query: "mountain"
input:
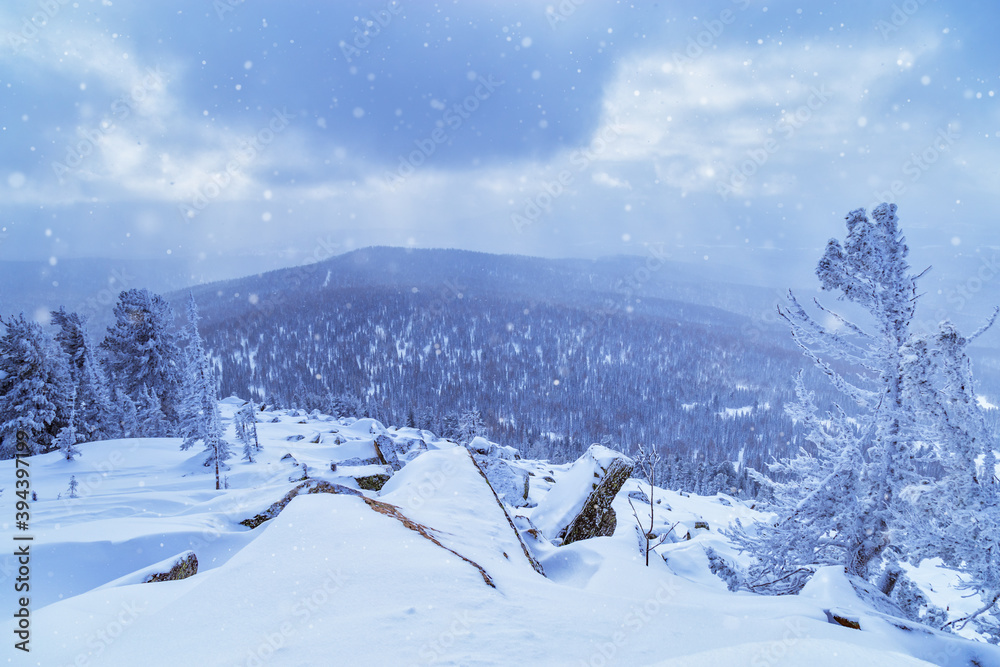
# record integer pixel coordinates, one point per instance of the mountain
(555, 354)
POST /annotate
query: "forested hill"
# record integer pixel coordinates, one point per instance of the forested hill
(554, 354)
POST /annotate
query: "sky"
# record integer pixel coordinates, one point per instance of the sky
(734, 134)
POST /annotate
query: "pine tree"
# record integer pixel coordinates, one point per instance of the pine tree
(818, 518)
(470, 426)
(128, 417)
(872, 466)
(958, 516)
(66, 440)
(152, 423)
(73, 486)
(200, 409)
(141, 349)
(245, 423)
(35, 386)
(93, 408)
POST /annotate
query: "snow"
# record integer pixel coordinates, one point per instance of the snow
(985, 404)
(332, 581)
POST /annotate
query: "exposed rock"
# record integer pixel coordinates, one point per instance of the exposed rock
(295, 438)
(373, 482)
(483, 447)
(385, 449)
(359, 462)
(701, 525)
(578, 506)
(509, 482)
(840, 617)
(185, 566)
(309, 486)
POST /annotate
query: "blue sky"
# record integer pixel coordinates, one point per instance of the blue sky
(735, 134)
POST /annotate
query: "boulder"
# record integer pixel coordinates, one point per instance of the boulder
(509, 482)
(186, 565)
(483, 447)
(578, 506)
(374, 478)
(385, 449)
(309, 486)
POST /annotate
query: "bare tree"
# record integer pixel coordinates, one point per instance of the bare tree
(648, 462)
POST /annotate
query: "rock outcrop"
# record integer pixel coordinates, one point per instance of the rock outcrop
(309, 486)
(185, 566)
(579, 505)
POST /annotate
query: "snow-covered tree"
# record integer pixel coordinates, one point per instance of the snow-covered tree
(958, 515)
(151, 421)
(845, 504)
(470, 425)
(35, 386)
(200, 408)
(94, 413)
(127, 415)
(66, 440)
(73, 486)
(141, 349)
(245, 423)
(818, 517)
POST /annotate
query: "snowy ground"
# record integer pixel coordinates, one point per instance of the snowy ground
(333, 580)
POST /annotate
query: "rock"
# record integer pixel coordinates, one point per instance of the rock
(483, 447)
(701, 525)
(309, 486)
(844, 618)
(385, 449)
(288, 458)
(509, 482)
(185, 566)
(578, 506)
(295, 438)
(359, 462)
(373, 482)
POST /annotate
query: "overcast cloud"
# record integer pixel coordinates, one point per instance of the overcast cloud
(734, 134)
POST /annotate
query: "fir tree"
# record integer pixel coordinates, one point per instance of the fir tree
(93, 409)
(201, 399)
(152, 423)
(245, 423)
(128, 417)
(35, 386)
(66, 440)
(957, 516)
(470, 425)
(844, 505)
(141, 350)
(73, 486)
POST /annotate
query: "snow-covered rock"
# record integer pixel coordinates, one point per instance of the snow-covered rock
(578, 507)
(509, 481)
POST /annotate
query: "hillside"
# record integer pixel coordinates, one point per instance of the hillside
(341, 579)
